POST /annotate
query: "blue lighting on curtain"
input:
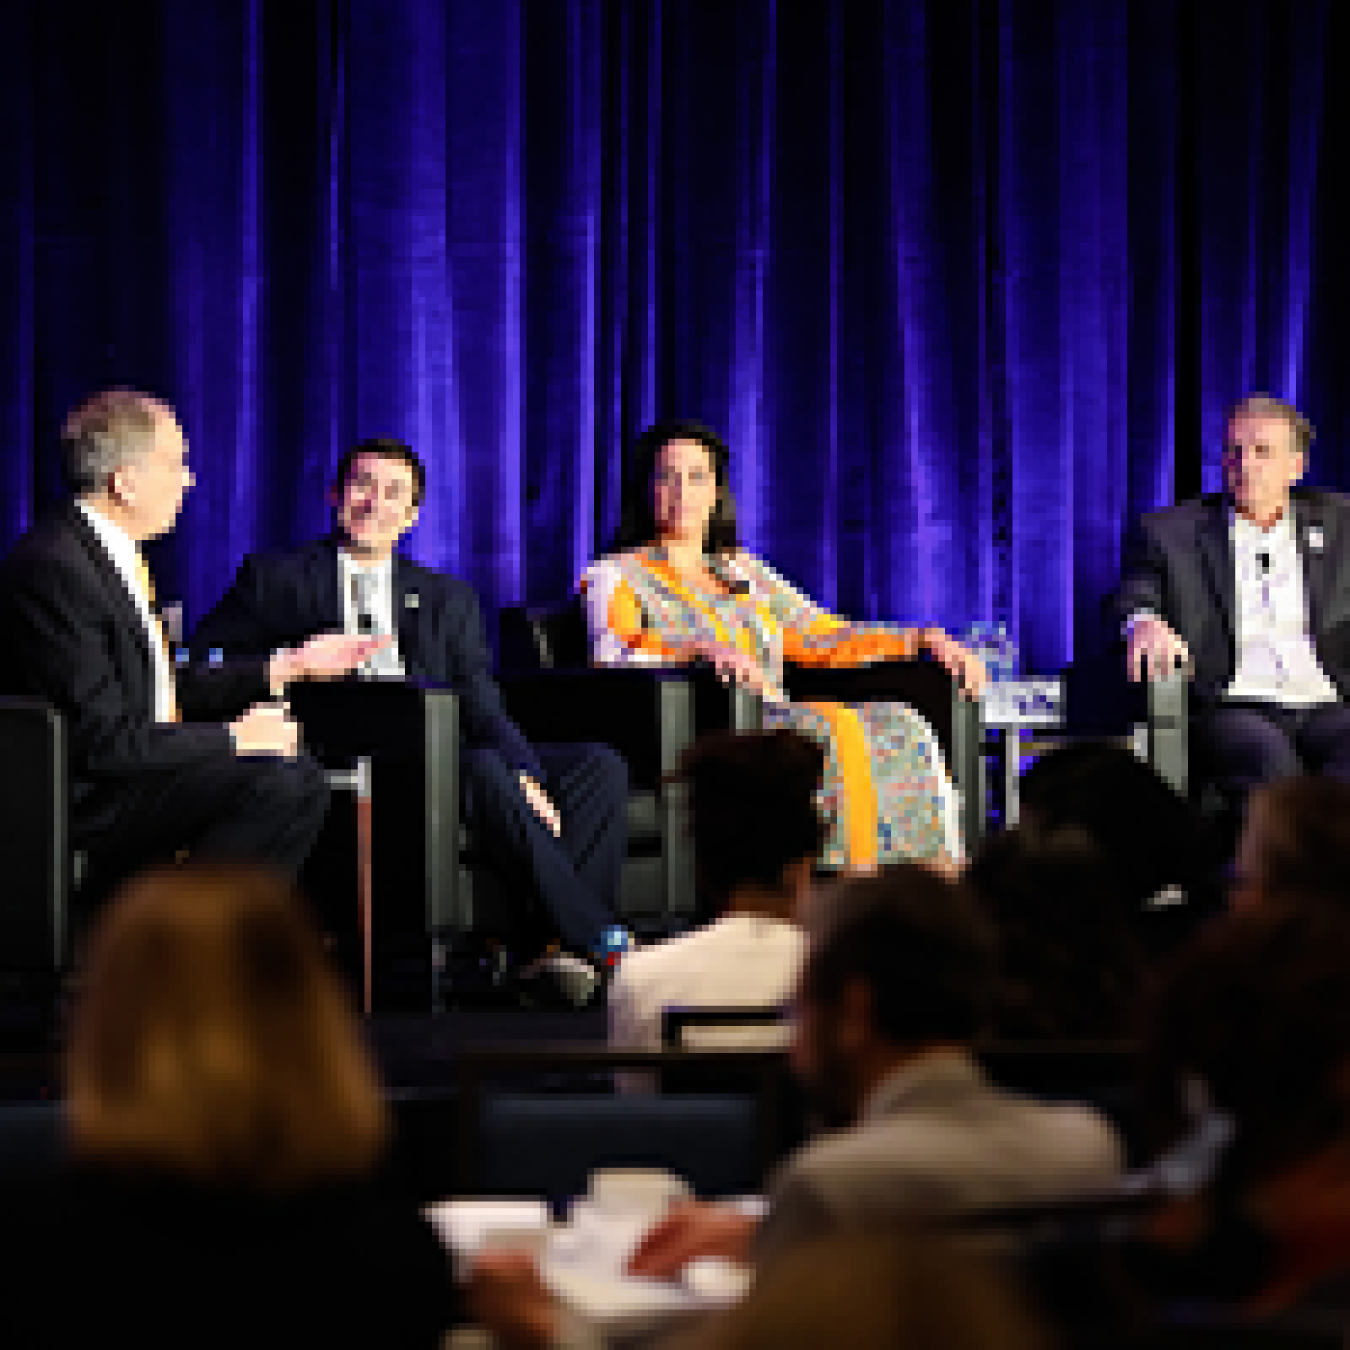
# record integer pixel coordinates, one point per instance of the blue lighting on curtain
(946, 275)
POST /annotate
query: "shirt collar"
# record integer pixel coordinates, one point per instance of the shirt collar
(1242, 528)
(122, 548)
(383, 571)
(948, 1066)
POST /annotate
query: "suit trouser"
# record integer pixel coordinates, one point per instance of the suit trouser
(573, 878)
(1240, 745)
(260, 809)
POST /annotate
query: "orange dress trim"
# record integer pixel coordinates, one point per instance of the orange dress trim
(859, 799)
(855, 650)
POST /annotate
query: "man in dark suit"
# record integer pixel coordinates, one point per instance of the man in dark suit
(551, 817)
(1250, 588)
(161, 762)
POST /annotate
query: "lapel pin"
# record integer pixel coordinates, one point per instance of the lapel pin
(1315, 538)
(411, 601)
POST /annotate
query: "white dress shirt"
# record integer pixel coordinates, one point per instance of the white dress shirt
(739, 961)
(1276, 662)
(126, 558)
(379, 608)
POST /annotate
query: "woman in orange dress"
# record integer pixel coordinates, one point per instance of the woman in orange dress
(677, 587)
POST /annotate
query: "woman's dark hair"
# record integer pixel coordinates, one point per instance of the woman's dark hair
(752, 807)
(637, 524)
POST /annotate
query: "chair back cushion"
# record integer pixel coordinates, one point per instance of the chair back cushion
(544, 638)
(548, 1143)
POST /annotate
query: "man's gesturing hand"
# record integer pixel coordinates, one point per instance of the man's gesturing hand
(265, 729)
(324, 657)
(1155, 650)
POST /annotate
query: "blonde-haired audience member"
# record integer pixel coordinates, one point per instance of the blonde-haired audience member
(224, 1127)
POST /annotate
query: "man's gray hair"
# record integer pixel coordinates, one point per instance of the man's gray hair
(1267, 405)
(105, 432)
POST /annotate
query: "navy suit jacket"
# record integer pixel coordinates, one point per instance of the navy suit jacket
(279, 600)
(71, 634)
(1178, 564)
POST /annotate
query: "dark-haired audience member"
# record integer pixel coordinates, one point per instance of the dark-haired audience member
(1153, 840)
(552, 818)
(894, 991)
(756, 833)
(1072, 951)
(1295, 842)
(1248, 1057)
(224, 1125)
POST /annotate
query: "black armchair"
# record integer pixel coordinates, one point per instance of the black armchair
(649, 715)
(556, 640)
(40, 866)
(925, 686)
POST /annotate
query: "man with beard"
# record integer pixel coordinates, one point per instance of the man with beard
(897, 975)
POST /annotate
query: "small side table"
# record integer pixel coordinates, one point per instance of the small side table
(1011, 707)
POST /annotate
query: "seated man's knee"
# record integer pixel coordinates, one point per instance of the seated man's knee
(610, 767)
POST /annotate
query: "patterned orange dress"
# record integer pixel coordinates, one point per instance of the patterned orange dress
(886, 794)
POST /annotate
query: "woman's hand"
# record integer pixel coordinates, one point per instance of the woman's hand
(731, 664)
(965, 667)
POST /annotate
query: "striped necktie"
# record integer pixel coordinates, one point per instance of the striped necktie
(147, 586)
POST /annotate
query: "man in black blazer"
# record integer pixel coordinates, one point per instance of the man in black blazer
(1250, 588)
(551, 817)
(161, 761)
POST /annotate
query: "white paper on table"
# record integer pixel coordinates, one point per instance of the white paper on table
(616, 1303)
(464, 1225)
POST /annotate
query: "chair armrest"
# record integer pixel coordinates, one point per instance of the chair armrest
(926, 686)
(649, 714)
(1168, 715)
(410, 735)
(34, 807)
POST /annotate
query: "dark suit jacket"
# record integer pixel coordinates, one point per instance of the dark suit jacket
(279, 600)
(1178, 563)
(70, 633)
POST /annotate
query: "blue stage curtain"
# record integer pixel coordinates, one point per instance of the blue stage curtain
(966, 283)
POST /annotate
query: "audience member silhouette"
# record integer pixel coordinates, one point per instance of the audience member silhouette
(756, 832)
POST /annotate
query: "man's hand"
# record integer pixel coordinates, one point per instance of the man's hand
(1155, 651)
(324, 657)
(960, 662)
(265, 729)
(689, 1231)
(507, 1296)
(539, 800)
